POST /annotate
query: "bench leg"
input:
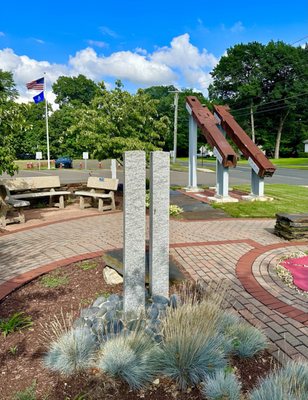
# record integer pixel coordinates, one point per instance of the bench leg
(81, 203)
(112, 201)
(3, 220)
(61, 201)
(100, 205)
(21, 216)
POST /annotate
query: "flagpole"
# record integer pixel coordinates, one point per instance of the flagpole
(46, 118)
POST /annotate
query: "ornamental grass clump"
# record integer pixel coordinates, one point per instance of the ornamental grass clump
(132, 358)
(191, 346)
(72, 352)
(245, 340)
(222, 385)
(290, 382)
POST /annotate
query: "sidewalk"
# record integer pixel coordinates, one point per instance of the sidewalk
(242, 251)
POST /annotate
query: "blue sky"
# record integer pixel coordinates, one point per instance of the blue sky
(141, 42)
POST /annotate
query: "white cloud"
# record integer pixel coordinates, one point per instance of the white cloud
(183, 54)
(108, 32)
(124, 65)
(40, 41)
(237, 27)
(97, 43)
(181, 64)
(26, 69)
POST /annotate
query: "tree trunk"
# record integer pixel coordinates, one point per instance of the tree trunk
(252, 123)
(278, 137)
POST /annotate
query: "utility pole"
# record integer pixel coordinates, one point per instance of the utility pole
(175, 129)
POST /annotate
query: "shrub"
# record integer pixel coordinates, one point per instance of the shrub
(73, 351)
(14, 323)
(175, 210)
(222, 386)
(290, 382)
(191, 347)
(132, 358)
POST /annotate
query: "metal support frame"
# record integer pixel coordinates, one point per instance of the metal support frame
(192, 181)
(257, 185)
(222, 180)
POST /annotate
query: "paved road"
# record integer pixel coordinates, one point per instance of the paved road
(238, 175)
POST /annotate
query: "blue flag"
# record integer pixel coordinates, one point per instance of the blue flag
(38, 98)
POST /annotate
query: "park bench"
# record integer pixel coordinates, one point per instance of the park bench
(100, 190)
(8, 205)
(35, 187)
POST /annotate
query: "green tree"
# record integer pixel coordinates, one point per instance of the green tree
(11, 122)
(74, 90)
(237, 78)
(165, 107)
(263, 83)
(116, 121)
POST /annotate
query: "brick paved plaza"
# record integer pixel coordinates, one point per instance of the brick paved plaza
(242, 251)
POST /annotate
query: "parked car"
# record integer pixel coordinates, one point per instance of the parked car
(64, 162)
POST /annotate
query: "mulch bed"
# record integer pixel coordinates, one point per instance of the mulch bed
(21, 352)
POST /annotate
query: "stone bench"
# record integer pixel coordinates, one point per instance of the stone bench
(35, 187)
(101, 189)
(8, 205)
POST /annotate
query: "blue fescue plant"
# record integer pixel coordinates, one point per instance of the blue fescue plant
(222, 385)
(71, 352)
(191, 347)
(245, 340)
(133, 358)
(290, 382)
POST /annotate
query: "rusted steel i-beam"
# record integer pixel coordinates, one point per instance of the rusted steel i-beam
(208, 125)
(261, 165)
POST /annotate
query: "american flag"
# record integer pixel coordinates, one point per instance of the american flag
(36, 85)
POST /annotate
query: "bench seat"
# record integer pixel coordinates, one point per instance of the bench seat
(36, 187)
(100, 189)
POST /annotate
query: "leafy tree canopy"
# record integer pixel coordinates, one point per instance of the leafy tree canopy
(75, 90)
(11, 122)
(266, 82)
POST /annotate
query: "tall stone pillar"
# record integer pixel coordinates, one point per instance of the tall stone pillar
(159, 224)
(134, 230)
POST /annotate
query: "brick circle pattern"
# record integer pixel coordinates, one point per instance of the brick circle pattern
(255, 270)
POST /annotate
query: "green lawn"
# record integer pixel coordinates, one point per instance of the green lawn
(287, 199)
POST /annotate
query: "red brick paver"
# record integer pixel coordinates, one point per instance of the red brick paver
(241, 251)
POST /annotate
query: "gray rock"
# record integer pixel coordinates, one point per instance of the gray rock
(135, 324)
(99, 301)
(79, 323)
(89, 312)
(102, 311)
(110, 315)
(160, 299)
(174, 300)
(115, 326)
(114, 298)
(153, 311)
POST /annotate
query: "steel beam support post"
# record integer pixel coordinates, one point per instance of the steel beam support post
(192, 181)
(222, 180)
(257, 185)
